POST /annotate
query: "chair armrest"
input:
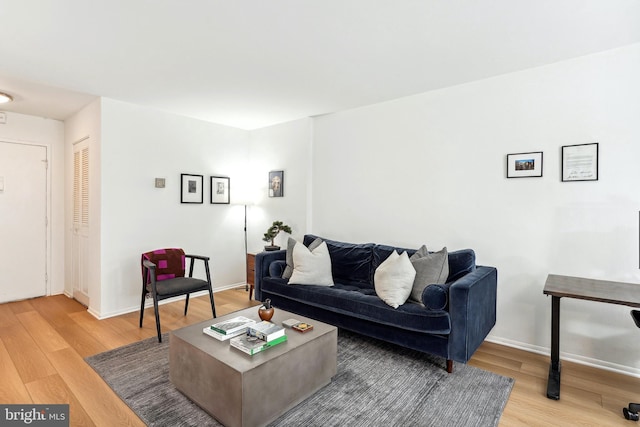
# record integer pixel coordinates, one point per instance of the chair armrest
(148, 275)
(472, 308)
(206, 265)
(203, 258)
(148, 264)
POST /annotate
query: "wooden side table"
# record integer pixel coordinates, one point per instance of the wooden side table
(588, 289)
(251, 273)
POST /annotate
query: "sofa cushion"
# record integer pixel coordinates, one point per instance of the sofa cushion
(361, 303)
(431, 268)
(311, 267)
(291, 242)
(435, 297)
(276, 268)
(350, 262)
(393, 279)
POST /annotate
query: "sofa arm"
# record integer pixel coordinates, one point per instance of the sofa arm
(472, 308)
(263, 260)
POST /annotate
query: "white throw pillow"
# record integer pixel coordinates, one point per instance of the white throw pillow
(393, 279)
(286, 274)
(311, 267)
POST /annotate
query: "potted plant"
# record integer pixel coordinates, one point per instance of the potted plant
(272, 232)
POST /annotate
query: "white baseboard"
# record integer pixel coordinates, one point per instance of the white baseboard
(149, 302)
(587, 361)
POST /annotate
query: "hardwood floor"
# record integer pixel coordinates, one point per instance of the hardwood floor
(43, 343)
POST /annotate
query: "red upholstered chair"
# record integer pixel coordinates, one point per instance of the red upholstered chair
(163, 277)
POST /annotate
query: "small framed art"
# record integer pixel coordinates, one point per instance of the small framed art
(580, 162)
(220, 189)
(524, 165)
(191, 188)
(276, 183)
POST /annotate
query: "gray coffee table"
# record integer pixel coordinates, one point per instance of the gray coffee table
(242, 390)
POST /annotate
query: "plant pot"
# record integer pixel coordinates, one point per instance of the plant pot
(265, 313)
(271, 248)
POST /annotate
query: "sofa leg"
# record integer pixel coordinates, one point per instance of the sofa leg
(449, 365)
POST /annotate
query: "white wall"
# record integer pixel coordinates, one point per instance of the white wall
(138, 145)
(281, 147)
(48, 133)
(431, 169)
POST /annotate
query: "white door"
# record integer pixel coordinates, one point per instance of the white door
(23, 221)
(80, 243)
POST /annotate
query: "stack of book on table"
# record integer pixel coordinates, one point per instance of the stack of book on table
(259, 337)
(229, 328)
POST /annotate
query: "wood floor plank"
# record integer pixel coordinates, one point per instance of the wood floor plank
(100, 402)
(55, 310)
(53, 390)
(21, 306)
(13, 390)
(29, 360)
(81, 341)
(100, 330)
(7, 316)
(42, 332)
(68, 304)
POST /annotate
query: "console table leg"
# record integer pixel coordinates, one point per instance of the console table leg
(553, 383)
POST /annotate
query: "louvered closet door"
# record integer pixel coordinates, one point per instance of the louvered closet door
(23, 216)
(80, 244)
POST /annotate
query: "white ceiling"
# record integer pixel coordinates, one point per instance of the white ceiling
(254, 63)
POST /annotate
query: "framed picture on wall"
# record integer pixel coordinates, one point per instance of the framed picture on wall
(191, 188)
(524, 165)
(220, 189)
(580, 162)
(276, 184)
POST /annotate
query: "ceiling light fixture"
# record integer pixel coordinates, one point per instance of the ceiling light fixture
(4, 98)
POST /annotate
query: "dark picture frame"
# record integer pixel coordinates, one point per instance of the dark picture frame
(220, 190)
(191, 188)
(276, 184)
(525, 165)
(580, 162)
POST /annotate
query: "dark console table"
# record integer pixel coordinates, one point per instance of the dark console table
(580, 288)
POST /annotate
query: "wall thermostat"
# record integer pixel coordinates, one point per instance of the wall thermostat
(159, 182)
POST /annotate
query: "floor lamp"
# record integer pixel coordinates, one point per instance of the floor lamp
(246, 252)
(245, 197)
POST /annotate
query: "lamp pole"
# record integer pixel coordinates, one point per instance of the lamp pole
(246, 265)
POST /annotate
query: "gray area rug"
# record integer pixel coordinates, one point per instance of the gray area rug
(376, 384)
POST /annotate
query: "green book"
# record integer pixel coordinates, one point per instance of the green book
(266, 330)
(252, 345)
(234, 325)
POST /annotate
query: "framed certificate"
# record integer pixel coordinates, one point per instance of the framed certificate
(580, 162)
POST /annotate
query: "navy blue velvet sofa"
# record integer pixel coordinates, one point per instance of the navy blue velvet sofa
(454, 321)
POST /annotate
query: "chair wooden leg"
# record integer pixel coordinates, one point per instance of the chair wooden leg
(142, 307)
(186, 305)
(449, 365)
(155, 308)
(213, 305)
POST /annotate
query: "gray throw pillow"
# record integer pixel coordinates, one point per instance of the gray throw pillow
(430, 269)
(288, 270)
